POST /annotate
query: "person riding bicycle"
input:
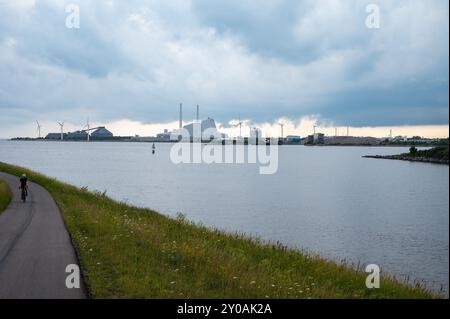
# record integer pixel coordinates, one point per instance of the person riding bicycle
(23, 183)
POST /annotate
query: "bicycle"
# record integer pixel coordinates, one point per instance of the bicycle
(24, 194)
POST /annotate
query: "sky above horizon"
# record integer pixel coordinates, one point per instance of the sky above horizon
(305, 62)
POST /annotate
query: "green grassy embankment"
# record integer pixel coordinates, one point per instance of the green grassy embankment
(130, 252)
(5, 195)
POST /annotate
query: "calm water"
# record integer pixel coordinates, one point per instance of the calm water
(326, 200)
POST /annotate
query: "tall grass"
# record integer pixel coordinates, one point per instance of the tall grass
(131, 252)
(5, 195)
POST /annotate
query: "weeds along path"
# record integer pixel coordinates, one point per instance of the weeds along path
(5, 195)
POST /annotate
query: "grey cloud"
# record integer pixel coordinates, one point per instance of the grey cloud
(139, 59)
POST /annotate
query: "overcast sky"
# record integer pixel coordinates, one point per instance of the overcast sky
(131, 63)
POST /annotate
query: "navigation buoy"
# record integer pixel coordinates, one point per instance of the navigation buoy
(153, 148)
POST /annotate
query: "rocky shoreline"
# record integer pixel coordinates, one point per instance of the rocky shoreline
(410, 159)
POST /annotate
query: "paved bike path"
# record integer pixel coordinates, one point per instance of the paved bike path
(35, 247)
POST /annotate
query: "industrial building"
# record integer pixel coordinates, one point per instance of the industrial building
(101, 133)
(77, 135)
(316, 138)
(163, 137)
(56, 136)
(208, 125)
(293, 139)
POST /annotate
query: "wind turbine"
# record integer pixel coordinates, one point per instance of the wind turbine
(38, 129)
(62, 130)
(240, 126)
(282, 129)
(88, 129)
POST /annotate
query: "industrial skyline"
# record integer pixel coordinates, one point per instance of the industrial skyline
(252, 129)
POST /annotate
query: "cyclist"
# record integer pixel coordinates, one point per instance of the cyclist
(23, 184)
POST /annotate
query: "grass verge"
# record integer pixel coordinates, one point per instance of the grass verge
(5, 195)
(130, 252)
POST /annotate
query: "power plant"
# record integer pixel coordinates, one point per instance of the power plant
(207, 126)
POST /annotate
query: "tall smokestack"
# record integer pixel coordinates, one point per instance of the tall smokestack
(181, 115)
(198, 112)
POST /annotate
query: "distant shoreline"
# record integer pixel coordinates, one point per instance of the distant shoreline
(435, 155)
(410, 159)
(171, 142)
